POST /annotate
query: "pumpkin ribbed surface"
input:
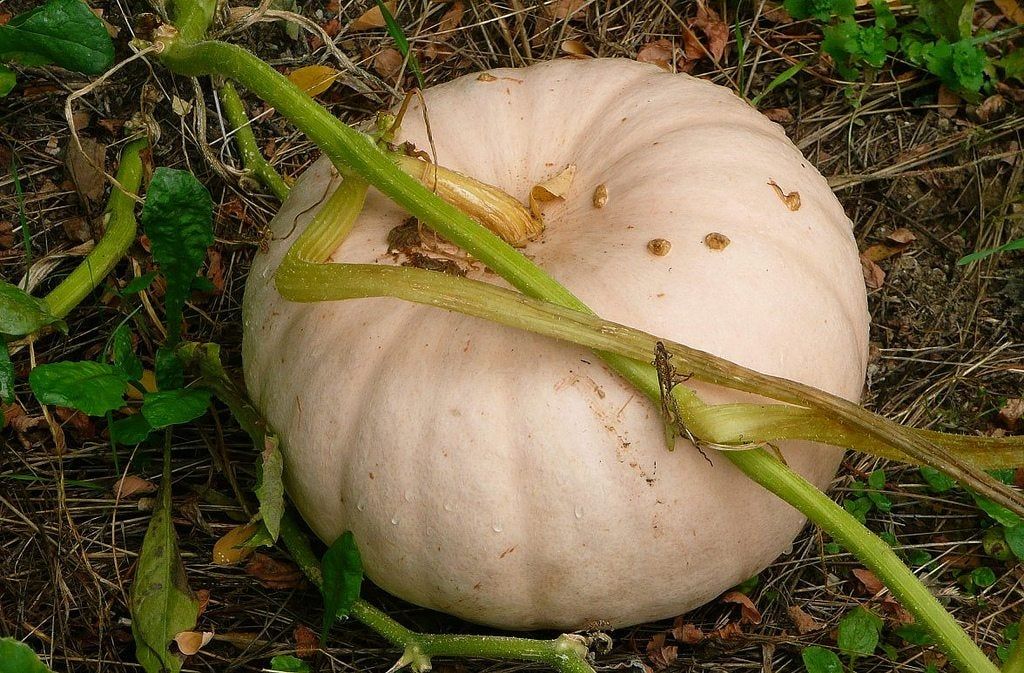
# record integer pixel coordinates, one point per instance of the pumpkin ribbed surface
(511, 479)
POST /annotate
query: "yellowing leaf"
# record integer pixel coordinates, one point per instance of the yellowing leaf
(373, 17)
(552, 189)
(231, 548)
(314, 79)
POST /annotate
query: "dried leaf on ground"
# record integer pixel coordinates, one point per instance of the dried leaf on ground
(874, 277)
(306, 645)
(576, 49)
(660, 654)
(804, 622)
(687, 633)
(659, 52)
(231, 548)
(85, 166)
(779, 115)
(373, 17)
(451, 19)
(388, 62)
(274, 574)
(749, 614)
(949, 102)
(190, 642)
(715, 30)
(566, 9)
(130, 485)
(872, 585)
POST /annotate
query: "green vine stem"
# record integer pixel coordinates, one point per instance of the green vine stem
(355, 153)
(252, 158)
(301, 277)
(120, 232)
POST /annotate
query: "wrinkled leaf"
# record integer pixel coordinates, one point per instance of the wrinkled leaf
(162, 605)
(343, 579)
(17, 657)
(190, 642)
(124, 353)
(6, 375)
(85, 165)
(178, 220)
(286, 663)
(553, 189)
(270, 489)
(859, 631)
(174, 407)
(168, 369)
(21, 313)
(65, 32)
(131, 430)
(94, 388)
(819, 660)
(314, 79)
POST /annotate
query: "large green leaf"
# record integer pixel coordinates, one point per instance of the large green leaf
(178, 220)
(343, 579)
(94, 388)
(7, 80)
(6, 374)
(859, 632)
(162, 604)
(17, 657)
(21, 313)
(65, 32)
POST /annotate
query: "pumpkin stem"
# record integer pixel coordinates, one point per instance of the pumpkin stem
(488, 205)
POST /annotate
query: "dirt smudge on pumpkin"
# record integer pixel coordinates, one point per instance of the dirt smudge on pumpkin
(717, 241)
(659, 247)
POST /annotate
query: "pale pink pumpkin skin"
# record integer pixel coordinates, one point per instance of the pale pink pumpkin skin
(511, 479)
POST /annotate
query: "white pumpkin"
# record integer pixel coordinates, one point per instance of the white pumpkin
(511, 479)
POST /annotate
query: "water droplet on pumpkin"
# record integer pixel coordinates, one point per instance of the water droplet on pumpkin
(448, 507)
(408, 496)
(578, 511)
(497, 528)
(394, 520)
(361, 505)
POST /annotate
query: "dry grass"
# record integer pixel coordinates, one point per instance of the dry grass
(950, 341)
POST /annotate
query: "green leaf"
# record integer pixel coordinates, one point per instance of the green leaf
(21, 313)
(398, 35)
(6, 374)
(940, 482)
(858, 507)
(65, 32)
(174, 407)
(983, 577)
(822, 10)
(136, 285)
(819, 660)
(178, 219)
(286, 663)
(17, 657)
(94, 388)
(8, 79)
(858, 632)
(162, 605)
(948, 19)
(1015, 540)
(915, 634)
(998, 513)
(880, 501)
(1007, 247)
(124, 353)
(343, 580)
(270, 489)
(993, 541)
(876, 479)
(130, 430)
